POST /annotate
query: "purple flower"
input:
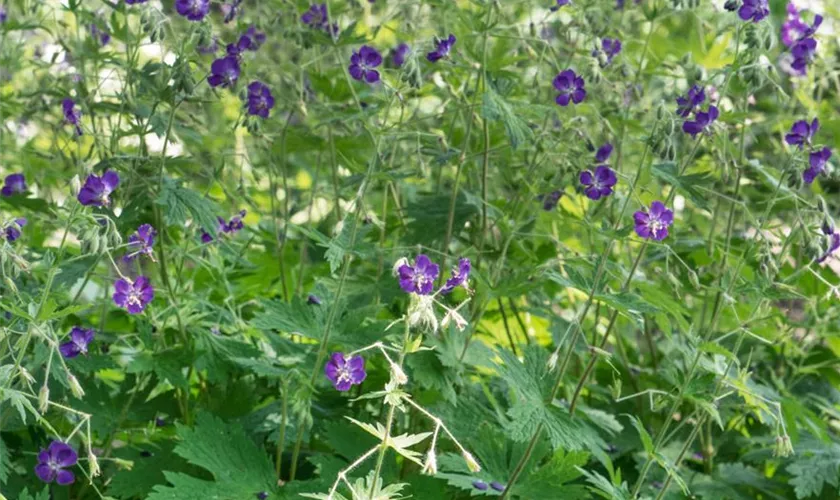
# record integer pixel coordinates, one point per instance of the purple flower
(52, 462)
(695, 97)
(72, 115)
(560, 3)
(313, 300)
(262, 495)
(619, 4)
(3, 14)
(550, 200)
(653, 224)
(817, 160)
(611, 48)
(12, 230)
(14, 183)
(224, 72)
(78, 343)
(479, 485)
(257, 37)
(803, 52)
(801, 133)
(103, 36)
(133, 297)
(570, 88)
(497, 486)
(141, 242)
(363, 62)
(194, 10)
(223, 227)
(345, 372)
(444, 46)
(132, 2)
(460, 275)
(244, 43)
(603, 153)
(420, 278)
(316, 17)
(598, 184)
(702, 119)
(229, 10)
(97, 190)
(260, 100)
(399, 54)
(754, 10)
(794, 28)
(834, 241)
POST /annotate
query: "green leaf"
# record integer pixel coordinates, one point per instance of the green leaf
(44, 494)
(811, 473)
(179, 201)
(239, 468)
(5, 464)
(548, 481)
(494, 107)
(19, 401)
(146, 471)
(647, 442)
(688, 183)
(290, 317)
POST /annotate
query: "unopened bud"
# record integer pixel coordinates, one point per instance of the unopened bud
(93, 465)
(75, 387)
(25, 375)
(43, 399)
(430, 467)
(398, 264)
(552, 361)
(472, 465)
(398, 375)
(75, 184)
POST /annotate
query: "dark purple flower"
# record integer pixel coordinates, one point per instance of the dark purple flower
(611, 48)
(653, 224)
(205, 237)
(801, 133)
(141, 242)
(460, 276)
(194, 10)
(603, 153)
(803, 52)
(97, 190)
(444, 46)
(834, 241)
(399, 54)
(570, 88)
(316, 16)
(160, 422)
(224, 72)
(497, 486)
(363, 62)
(598, 184)
(794, 28)
(101, 35)
(702, 119)
(14, 183)
(257, 37)
(244, 43)
(78, 343)
(72, 114)
(550, 200)
(12, 230)
(223, 227)
(262, 495)
(420, 278)
(132, 2)
(313, 300)
(229, 10)
(53, 461)
(754, 10)
(560, 3)
(345, 372)
(210, 48)
(817, 160)
(133, 297)
(479, 485)
(260, 100)
(619, 4)
(3, 14)
(695, 97)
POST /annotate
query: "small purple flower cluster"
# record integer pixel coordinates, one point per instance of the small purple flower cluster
(194, 10)
(801, 134)
(610, 47)
(72, 114)
(224, 227)
(599, 183)
(12, 230)
(691, 103)
(13, 184)
(799, 36)
(99, 34)
(443, 46)
(754, 10)
(420, 278)
(318, 18)
(141, 242)
(482, 486)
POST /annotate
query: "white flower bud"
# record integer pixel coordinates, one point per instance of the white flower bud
(43, 399)
(552, 361)
(453, 315)
(398, 375)
(75, 387)
(75, 184)
(24, 374)
(472, 465)
(398, 264)
(430, 467)
(93, 465)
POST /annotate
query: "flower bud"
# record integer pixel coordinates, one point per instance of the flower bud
(75, 387)
(398, 375)
(75, 185)
(25, 375)
(93, 465)
(430, 467)
(552, 361)
(398, 264)
(43, 399)
(472, 465)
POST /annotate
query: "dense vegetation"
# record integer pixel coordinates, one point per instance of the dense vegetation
(438, 249)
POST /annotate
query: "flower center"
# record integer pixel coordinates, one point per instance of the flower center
(344, 374)
(420, 279)
(134, 298)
